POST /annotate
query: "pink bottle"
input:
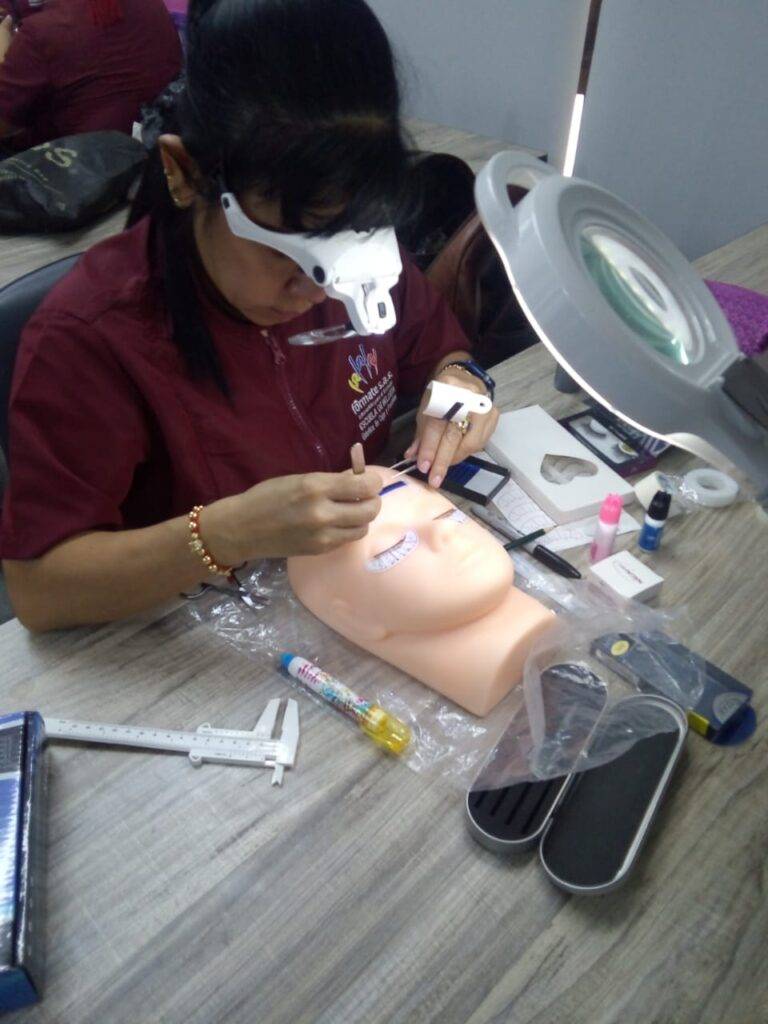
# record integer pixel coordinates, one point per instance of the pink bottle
(607, 525)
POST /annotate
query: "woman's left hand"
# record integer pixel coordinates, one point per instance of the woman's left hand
(438, 444)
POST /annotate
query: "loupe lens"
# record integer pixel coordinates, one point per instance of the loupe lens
(323, 335)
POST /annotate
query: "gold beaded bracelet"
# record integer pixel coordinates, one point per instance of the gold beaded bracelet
(196, 545)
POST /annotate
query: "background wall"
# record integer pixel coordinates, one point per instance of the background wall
(676, 115)
(503, 68)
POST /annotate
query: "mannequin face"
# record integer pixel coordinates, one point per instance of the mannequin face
(422, 567)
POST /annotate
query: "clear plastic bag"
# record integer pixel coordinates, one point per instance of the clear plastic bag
(544, 723)
(446, 741)
(567, 690)
(567, 687)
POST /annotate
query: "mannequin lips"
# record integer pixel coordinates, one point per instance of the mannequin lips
(470, 555)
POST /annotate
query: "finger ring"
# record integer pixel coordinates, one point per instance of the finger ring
(463, 426)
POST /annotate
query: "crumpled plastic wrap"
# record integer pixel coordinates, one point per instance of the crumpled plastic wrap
(545, 722)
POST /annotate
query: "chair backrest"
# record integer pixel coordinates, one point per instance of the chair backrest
(18, 301)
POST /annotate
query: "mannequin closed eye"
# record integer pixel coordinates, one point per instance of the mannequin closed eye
(391, 556)
(395, 553)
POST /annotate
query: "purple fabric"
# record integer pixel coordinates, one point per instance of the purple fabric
(746, 312)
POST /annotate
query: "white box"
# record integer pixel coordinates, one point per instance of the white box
(524, 438)
(627, 576)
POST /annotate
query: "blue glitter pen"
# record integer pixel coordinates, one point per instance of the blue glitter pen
(386, 731)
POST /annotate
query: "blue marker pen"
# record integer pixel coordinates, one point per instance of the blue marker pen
(655, 521)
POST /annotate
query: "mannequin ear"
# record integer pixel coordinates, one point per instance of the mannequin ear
(352, 625)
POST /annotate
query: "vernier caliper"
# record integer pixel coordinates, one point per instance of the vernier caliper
(225, 746)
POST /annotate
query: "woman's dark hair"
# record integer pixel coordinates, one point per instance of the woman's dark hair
(297, 99)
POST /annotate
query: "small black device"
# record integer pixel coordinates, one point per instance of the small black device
(646, 659)
(474, 478)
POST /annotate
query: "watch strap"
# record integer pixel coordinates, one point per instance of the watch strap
(477, 371)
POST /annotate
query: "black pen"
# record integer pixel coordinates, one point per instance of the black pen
(554, 562)
(537, 551)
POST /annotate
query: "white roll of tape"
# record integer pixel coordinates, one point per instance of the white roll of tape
(710, 487)
(449, 402)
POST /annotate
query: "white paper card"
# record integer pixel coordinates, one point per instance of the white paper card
(522, 512)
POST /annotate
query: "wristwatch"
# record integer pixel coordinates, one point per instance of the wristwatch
(477, 371)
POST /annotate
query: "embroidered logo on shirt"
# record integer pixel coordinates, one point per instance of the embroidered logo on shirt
(365, 368)
(374, 407)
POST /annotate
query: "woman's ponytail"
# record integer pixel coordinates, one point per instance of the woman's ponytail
(171, 241)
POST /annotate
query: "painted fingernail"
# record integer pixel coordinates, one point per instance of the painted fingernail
(424, 466)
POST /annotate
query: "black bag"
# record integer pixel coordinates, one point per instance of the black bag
(67, 183)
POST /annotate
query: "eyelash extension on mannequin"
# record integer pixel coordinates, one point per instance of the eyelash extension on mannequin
(455, 514)
(393, 555)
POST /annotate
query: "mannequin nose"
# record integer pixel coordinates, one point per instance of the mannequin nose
(304, 289)
(443, 536)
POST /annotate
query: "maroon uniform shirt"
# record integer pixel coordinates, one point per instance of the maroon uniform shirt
(108, 431)
(62, 75)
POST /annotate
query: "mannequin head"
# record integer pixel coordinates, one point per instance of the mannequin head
(423, 567)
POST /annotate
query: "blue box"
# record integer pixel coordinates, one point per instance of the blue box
(23, 786)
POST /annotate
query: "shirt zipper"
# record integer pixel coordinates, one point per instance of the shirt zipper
(279, 357)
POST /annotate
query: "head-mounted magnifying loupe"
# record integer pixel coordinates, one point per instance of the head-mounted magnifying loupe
(626, 315)
(359, 268)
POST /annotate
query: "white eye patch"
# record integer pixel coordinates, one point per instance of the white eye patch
(455, 515)
(393, 556)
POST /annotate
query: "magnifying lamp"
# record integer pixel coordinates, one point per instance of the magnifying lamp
(625, 314)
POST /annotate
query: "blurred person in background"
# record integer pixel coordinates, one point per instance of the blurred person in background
(73, 66)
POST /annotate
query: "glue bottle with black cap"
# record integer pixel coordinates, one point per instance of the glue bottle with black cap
(655, 521)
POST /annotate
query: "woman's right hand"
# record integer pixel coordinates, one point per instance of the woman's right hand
(291, 515)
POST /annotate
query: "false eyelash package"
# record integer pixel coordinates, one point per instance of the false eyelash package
(627, 451)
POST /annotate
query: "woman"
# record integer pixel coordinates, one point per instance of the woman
(157, 377)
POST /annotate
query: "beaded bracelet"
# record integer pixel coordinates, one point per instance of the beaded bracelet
(196, 545)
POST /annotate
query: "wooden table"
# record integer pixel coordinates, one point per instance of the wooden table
(354, 895)
(20, 254)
